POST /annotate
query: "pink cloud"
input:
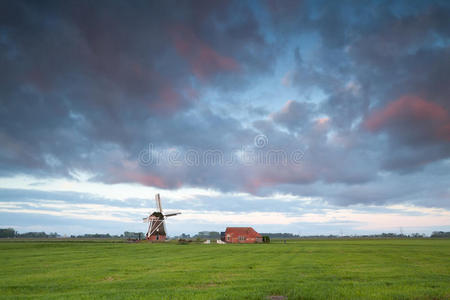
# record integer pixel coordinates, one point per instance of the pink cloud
(322, 123)
(144, 179)
(270, 175)
(414, 111)
(204, 60)
(130, 171)
(169, 97)
(254, 184)
(169, 100)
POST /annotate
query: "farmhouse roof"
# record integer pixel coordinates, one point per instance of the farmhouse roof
(248, 231)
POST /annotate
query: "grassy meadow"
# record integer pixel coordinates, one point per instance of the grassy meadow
(301, 269)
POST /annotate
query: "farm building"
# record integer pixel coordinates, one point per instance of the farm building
(242, 235)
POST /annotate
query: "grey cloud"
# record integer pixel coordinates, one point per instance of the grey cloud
(294, 115)
(87, 86)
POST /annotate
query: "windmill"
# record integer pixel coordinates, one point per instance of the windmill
(156, 225)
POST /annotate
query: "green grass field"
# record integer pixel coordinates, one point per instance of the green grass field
(305, 269)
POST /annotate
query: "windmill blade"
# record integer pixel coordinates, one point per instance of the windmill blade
(156, 226)
(150, 224)
(164, 226)
(174, 214)
(158, 203)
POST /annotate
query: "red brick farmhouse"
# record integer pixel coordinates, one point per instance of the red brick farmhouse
(244, 235)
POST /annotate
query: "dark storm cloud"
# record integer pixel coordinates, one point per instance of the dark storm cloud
(88, 86)
(79, 72)
(384, 52)
(419, 131)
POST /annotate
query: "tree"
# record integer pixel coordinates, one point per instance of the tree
(33, 235)
(7, 233)
(266, 239)
(133, 235)
(208, 235)
(440, 234)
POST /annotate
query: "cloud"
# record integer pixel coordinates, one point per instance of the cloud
(88, 87)
(78, 213)
(418, 132)
(421, 118)
(293, 114)
(204, 61)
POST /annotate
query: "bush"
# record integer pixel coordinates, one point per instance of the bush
(7, 233)
(183, 241)
(440, 234)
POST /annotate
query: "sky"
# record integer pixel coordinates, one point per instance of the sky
(308, 117)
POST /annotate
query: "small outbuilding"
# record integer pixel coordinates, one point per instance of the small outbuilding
(242, 235)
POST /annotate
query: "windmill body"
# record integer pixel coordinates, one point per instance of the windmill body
(156, 222)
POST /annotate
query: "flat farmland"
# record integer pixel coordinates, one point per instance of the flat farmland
(300, 269)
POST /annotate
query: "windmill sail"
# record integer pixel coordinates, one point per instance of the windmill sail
(174, 214)
(158, 203)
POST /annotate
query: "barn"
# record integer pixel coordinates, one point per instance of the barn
(242, 235)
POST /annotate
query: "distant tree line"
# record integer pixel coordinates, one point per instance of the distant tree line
(95, 236)
(331, 236)
(12, 233)
(440, 234)
(213, 235)
(7, 233)
(280, 235)
(126, 234)
(133, 235)
(182, 236)
(208, 235)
